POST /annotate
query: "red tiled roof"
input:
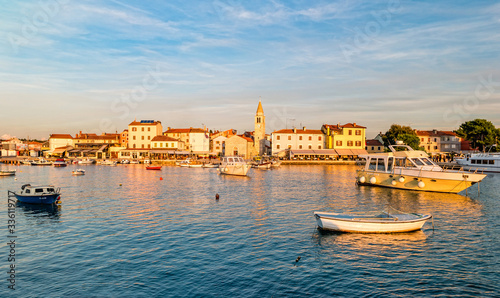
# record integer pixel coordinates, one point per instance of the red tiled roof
(432, 133)
(299, 131)
(185, 130)
(163, 139)
(351, 125)
(373, 143)
(60, 136)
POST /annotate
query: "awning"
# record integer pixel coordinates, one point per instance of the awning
(74, 151)
(102, 148)
(59, 150)
(359, 151)
(182, 152)
(344, 152)
(160, 151)
(327, 152)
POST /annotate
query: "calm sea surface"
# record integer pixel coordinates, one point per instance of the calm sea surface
(123, 232)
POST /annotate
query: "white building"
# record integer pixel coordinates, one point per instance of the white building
(218, 145)
(60, 140)
(297, 139)
(195, 140)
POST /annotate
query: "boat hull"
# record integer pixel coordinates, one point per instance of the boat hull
(327, 221)
(153, 168)
(7, 173)
(454, 182)
(43, 199)
(238, 170)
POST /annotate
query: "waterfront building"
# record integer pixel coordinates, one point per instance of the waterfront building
(59, 141)
(438, 141)
(240, 145)
(218, 145)
(92, 145)
(141, 133)
(374, 146)
(194, 140)
(124, 138)
(162, 147)
(347, 140)
(297, 139)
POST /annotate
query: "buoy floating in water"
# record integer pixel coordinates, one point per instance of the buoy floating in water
(161, 178)
(120, 184)
(297, 260)
(216, 196)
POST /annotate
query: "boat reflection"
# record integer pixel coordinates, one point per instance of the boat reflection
(39, 211)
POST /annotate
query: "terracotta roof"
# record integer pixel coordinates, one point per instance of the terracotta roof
(373, 143)
(163, 139)
(241, 136)
(185, 130)
(93, 136)
(434, 133)
(60, 136)
(351, 125)
(299, 131)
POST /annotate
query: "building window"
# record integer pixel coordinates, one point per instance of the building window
(435, 147)
(149, 128)
(338, 143)
(258, 119)
(289, 138)
(422, 139)
(358, 132)
(373, 148)
(133, 146)
(310, 138)
(134, 128)
(142, 145)
(429, 140)
(350, 132)
(435, 139)
(319, 146)
(156, 145)
(300, 146)
(149, 145)
(142, 137)
(319, 138)
(217, 142)
(278, 138)
(149, 137)
(349, 143)
(278, 146)
(133, 137)
(379, 148)
(300, 138)
(142, 128)
(310, 147)
(358, 143)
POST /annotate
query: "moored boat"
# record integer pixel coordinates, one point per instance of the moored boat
(234, 165)
(45, 194)
(210, 165)
(154, 168)
(413, 170)
(7, 172)
(108, 162)
(485, 162)
(59, 163)
(78, 172)
(86, 161)
(380, 222)
(41, 162)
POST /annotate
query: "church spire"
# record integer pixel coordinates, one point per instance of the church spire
(260, 110)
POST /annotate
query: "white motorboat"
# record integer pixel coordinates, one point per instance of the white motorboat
(26, 162)
(263, 165)
(41, 162)
(78, 172)
(413, 170)
(7, 172)
(125, 161)
(86, 161)
(108, 162)
(484, 162)
(234, 165)
(210, 165)
(379, 222)
(134, 162)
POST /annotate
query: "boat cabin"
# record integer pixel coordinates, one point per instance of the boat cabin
(28, 189)
(388, 162)
(230, 160)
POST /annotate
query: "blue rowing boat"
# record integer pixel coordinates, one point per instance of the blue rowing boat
(45, 194)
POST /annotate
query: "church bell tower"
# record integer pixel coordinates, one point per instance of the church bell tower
(259, 135)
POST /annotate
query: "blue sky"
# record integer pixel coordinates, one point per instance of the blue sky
(96, 66)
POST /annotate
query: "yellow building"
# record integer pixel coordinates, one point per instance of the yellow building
(141, 133)
(347, 139)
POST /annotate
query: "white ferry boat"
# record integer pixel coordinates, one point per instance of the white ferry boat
(484, 162)
(234, 165)
(413, 170)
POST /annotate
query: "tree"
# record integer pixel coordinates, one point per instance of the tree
(480, 132)
(401, 133)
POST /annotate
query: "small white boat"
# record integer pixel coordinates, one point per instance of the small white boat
(26, 162)
(263, 166)
(233, 165)
(210, 165)
(78, 172)
(41, 162)
(108, 162)
(275, 163)
(379, 222)
(86, 161)
(195, 165)
(134, 162)
(7, 172)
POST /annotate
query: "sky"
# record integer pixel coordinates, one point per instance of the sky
(95, 66)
